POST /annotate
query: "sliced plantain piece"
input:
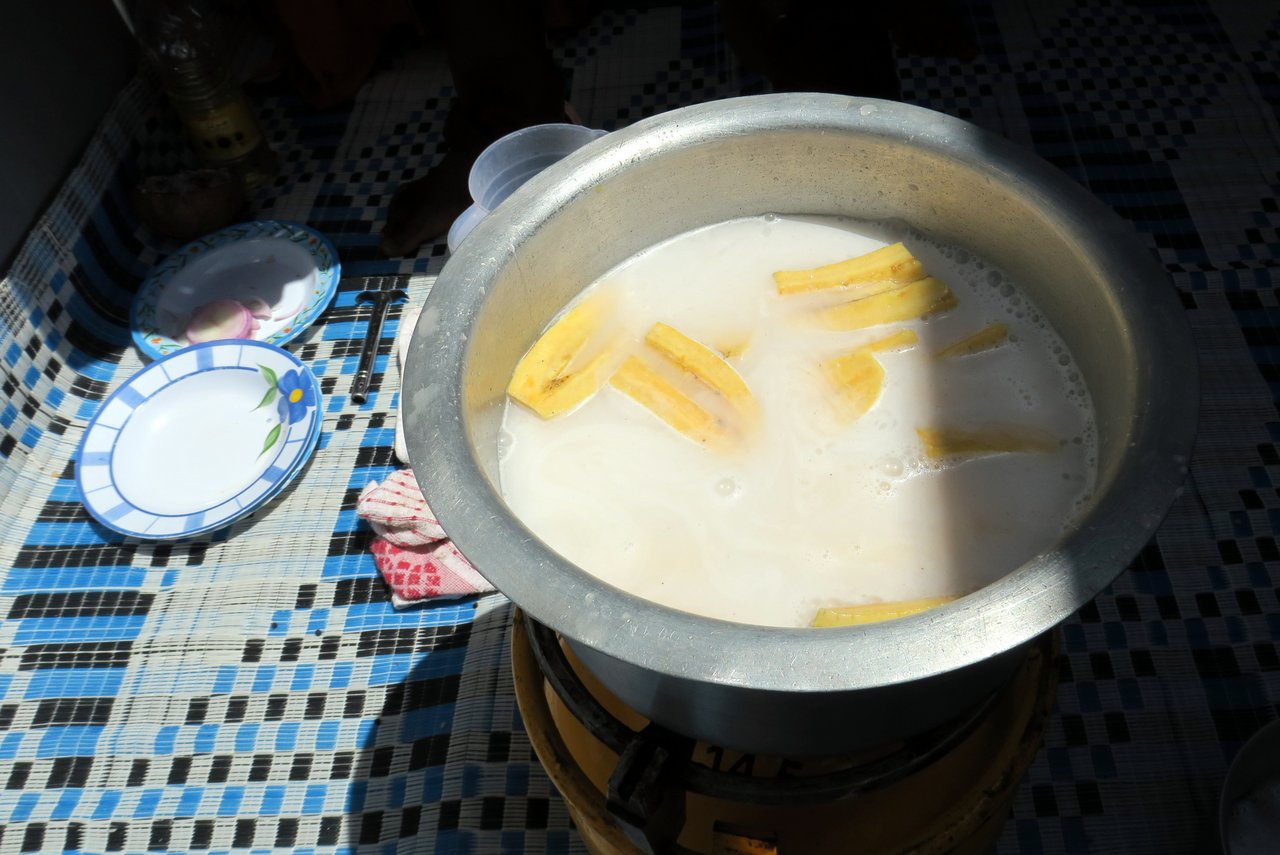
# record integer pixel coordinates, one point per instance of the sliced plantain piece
(900, 340)
(652, 391)
(941, 443)
(568, 390)
(857, 379)
(882, 270)
(543, 381)
(987, 338)
(945, 303)
(923, 297)
(703, 363)
(875, 612)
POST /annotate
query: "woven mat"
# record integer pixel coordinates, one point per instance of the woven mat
(255, 690)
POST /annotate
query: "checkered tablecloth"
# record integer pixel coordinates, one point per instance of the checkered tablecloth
(255, 691)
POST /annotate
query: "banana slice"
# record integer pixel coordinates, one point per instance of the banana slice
(649, 389)
(882, 270)
(875, 612)
(900, 340)
(542, 380)
(940, 443)
(857, 379)
(987, 338)
(567, 391)
(915, 300)
(703, 363)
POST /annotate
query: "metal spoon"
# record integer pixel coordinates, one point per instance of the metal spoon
(381, 298)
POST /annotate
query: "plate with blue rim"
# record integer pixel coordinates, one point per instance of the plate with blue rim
(198, 438)
(288, 271)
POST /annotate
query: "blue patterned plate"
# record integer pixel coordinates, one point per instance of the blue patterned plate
(288, 272)
(198, 438)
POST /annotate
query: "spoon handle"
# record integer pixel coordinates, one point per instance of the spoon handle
(372, 338)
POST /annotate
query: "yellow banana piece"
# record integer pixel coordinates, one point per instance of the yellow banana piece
(875, 612)
(652, 391)
(703, 363)
(987, 338)
(915, 300)
(900, 340)
(882, 270)
(542, 380)
(570, 389)
(940, 443)
(857, 379)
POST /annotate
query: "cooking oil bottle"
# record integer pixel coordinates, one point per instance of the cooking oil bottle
(184, 43)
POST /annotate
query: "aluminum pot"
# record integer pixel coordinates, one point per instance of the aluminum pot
(802, 691)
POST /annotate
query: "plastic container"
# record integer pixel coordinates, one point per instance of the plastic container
(511, 161)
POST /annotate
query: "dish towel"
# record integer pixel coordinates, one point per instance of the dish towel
(414, 555)
(411, 551)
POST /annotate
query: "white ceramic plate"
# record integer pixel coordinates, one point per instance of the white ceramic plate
(198, 439)
(289, 267)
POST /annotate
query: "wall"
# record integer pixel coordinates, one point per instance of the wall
(62, 63)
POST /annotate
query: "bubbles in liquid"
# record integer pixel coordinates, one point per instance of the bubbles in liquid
(892, 467)
(727, 487)
(505, 441)
(770, 218)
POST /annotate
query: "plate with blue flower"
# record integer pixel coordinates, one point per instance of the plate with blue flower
(198, 438)
(265, 280)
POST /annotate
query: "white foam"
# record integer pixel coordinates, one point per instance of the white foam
(818, 513)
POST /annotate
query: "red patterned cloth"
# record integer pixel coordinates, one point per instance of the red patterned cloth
(398, 512)
(414, 555)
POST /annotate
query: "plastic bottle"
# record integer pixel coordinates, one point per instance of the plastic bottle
(184, 43)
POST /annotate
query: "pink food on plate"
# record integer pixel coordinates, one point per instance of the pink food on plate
(220, 319)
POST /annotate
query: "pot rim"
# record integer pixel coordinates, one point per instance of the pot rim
(994, 619)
